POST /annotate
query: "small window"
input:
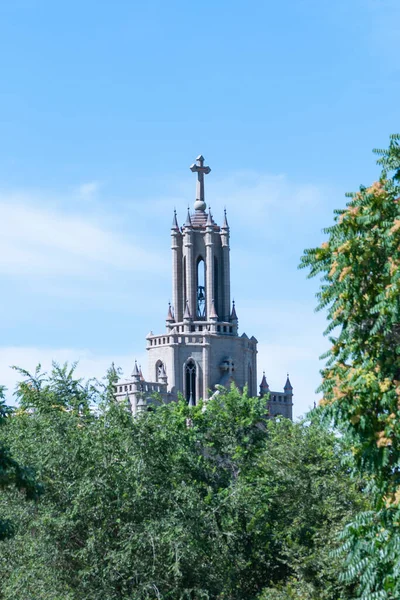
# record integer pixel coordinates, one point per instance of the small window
(160, 370)
(190, 381)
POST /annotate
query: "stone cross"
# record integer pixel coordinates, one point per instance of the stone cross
(199, 168)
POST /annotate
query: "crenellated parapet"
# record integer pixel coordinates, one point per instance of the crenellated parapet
(278, 403)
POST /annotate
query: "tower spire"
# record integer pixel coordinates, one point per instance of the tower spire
(170, 316)
(233, 313)
(288, 386)
(225, 221)
(201, 170)
(174, 221)
(187, 314)
(213, 314)
(264, 387)
(188, 222)
(135, 372)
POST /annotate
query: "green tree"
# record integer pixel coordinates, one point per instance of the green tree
(359, 264)
(203, 502)
(12, 474)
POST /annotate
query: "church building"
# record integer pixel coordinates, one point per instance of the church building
(201, 348)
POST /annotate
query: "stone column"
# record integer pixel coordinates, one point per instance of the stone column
(190, 271)
(177, 289)
(206, 378)
(226, 274)
(209, 242)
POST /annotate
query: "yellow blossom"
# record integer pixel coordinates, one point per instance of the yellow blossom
(338, 312)
(333, 268)
(383, 441)
(324, 402)
(385, 385)
(393, 499)
(338, 392)
(345, 246)
(396, 226)
(376, 188)
(344, 272)
(354, 210)
(393, 266)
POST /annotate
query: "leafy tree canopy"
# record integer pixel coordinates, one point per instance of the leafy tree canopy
(12, 473)
(211, 501)
(359, 264)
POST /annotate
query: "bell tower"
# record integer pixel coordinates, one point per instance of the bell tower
(200, 264)
(200, 348)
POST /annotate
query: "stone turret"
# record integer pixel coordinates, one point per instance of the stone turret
(264, 387)
(278, 403)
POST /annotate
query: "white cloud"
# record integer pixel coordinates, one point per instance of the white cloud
(255, 195)
(37, 240)
(87, 190)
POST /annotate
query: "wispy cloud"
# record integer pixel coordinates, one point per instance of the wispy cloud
(87, 190)
(90, 364)
(256, 195)
(39, 240)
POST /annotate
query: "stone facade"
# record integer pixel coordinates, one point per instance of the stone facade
(201, 347)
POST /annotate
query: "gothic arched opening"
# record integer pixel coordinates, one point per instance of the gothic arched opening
(190, 381)
(160, 370)
(201, 288)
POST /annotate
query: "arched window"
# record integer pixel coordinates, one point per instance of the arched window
(201, 289)
(190, 380)
(160, 370)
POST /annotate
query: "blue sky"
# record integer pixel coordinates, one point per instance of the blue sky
(103, 107)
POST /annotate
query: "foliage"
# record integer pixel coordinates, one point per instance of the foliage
(181, 502)
(12, 473)
(360, 289)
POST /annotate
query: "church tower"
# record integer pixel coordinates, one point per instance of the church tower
(200, 348)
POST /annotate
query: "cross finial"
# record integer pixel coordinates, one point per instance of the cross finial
(201, 170)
